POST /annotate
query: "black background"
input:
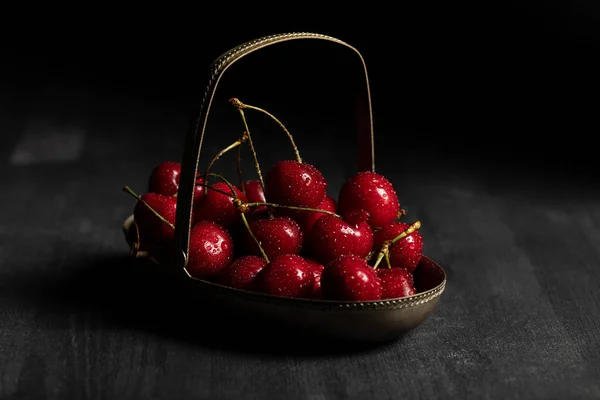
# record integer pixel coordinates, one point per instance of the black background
(511, 84)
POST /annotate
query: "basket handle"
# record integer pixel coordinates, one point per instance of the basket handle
(193, 144)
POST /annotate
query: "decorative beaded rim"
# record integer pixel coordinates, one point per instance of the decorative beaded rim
(328, 305)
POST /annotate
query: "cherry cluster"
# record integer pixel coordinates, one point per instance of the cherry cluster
(284, 235)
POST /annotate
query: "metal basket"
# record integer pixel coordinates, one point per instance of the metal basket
(372, 321)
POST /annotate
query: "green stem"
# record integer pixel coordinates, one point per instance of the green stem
(242, 105)
(407, 232)
(239, 167)
(292, 208)
(215, 189)
(385, 248)
(238, 104)
(387, 259)
(128, 190)
(232, 146)
(262, 251)
(378, 260)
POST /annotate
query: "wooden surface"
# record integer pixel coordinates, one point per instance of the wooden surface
(78, 320)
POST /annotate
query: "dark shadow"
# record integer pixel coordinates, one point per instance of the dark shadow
(137, 294)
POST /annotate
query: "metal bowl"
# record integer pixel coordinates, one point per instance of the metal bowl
(372, 321)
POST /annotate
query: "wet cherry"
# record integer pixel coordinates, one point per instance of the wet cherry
(350, 278)
(406, 252)
(396, 282)
(150, 226)
(292, 183)
(164, 178)
(255, 194)
(218, 207)
(287, 275)
(372, 193)
(306, 219)
(241, 272)
(332, 237)
(317, 270)
(279, 235)
(211, 250)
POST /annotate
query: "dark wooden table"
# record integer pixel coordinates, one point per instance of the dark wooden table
(79, 320)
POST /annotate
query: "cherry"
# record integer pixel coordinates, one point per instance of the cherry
(218, 207)
(306, 219)
(332, 237)
(255, 194)
(350, 278)
(150, 226)
(406, 252)
(287, 275)
(372, 193)
(396, 282)
(199, 190)
(292, 183)
(279, 235)
(317, 269)
(241, 272)
(211, 250)
(164, 178)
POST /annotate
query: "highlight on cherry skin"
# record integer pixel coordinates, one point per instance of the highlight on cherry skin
(283, 232)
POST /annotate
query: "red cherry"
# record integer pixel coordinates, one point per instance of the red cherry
(256, 194)
(396, 283)
(287, 275)
(306, 219)
(317, 269)
(372, 193)
(218, 207)
(297, 184)
(332, 237)
(199, 190)
(406, 252)
(211, 250)
(279, 235)
(164, 178)
(350, 278)
(150, 226)
(241, 272)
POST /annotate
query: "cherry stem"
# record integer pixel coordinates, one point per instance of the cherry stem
(229, 185)
(239, 106)
(242, 207)
(225, 150)
(215, 189)
(401, 213)
(291, 208)
(387, 259)
(128, 190)
(385, 248)
(237, 103)
(239, 166)
(262, 251)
